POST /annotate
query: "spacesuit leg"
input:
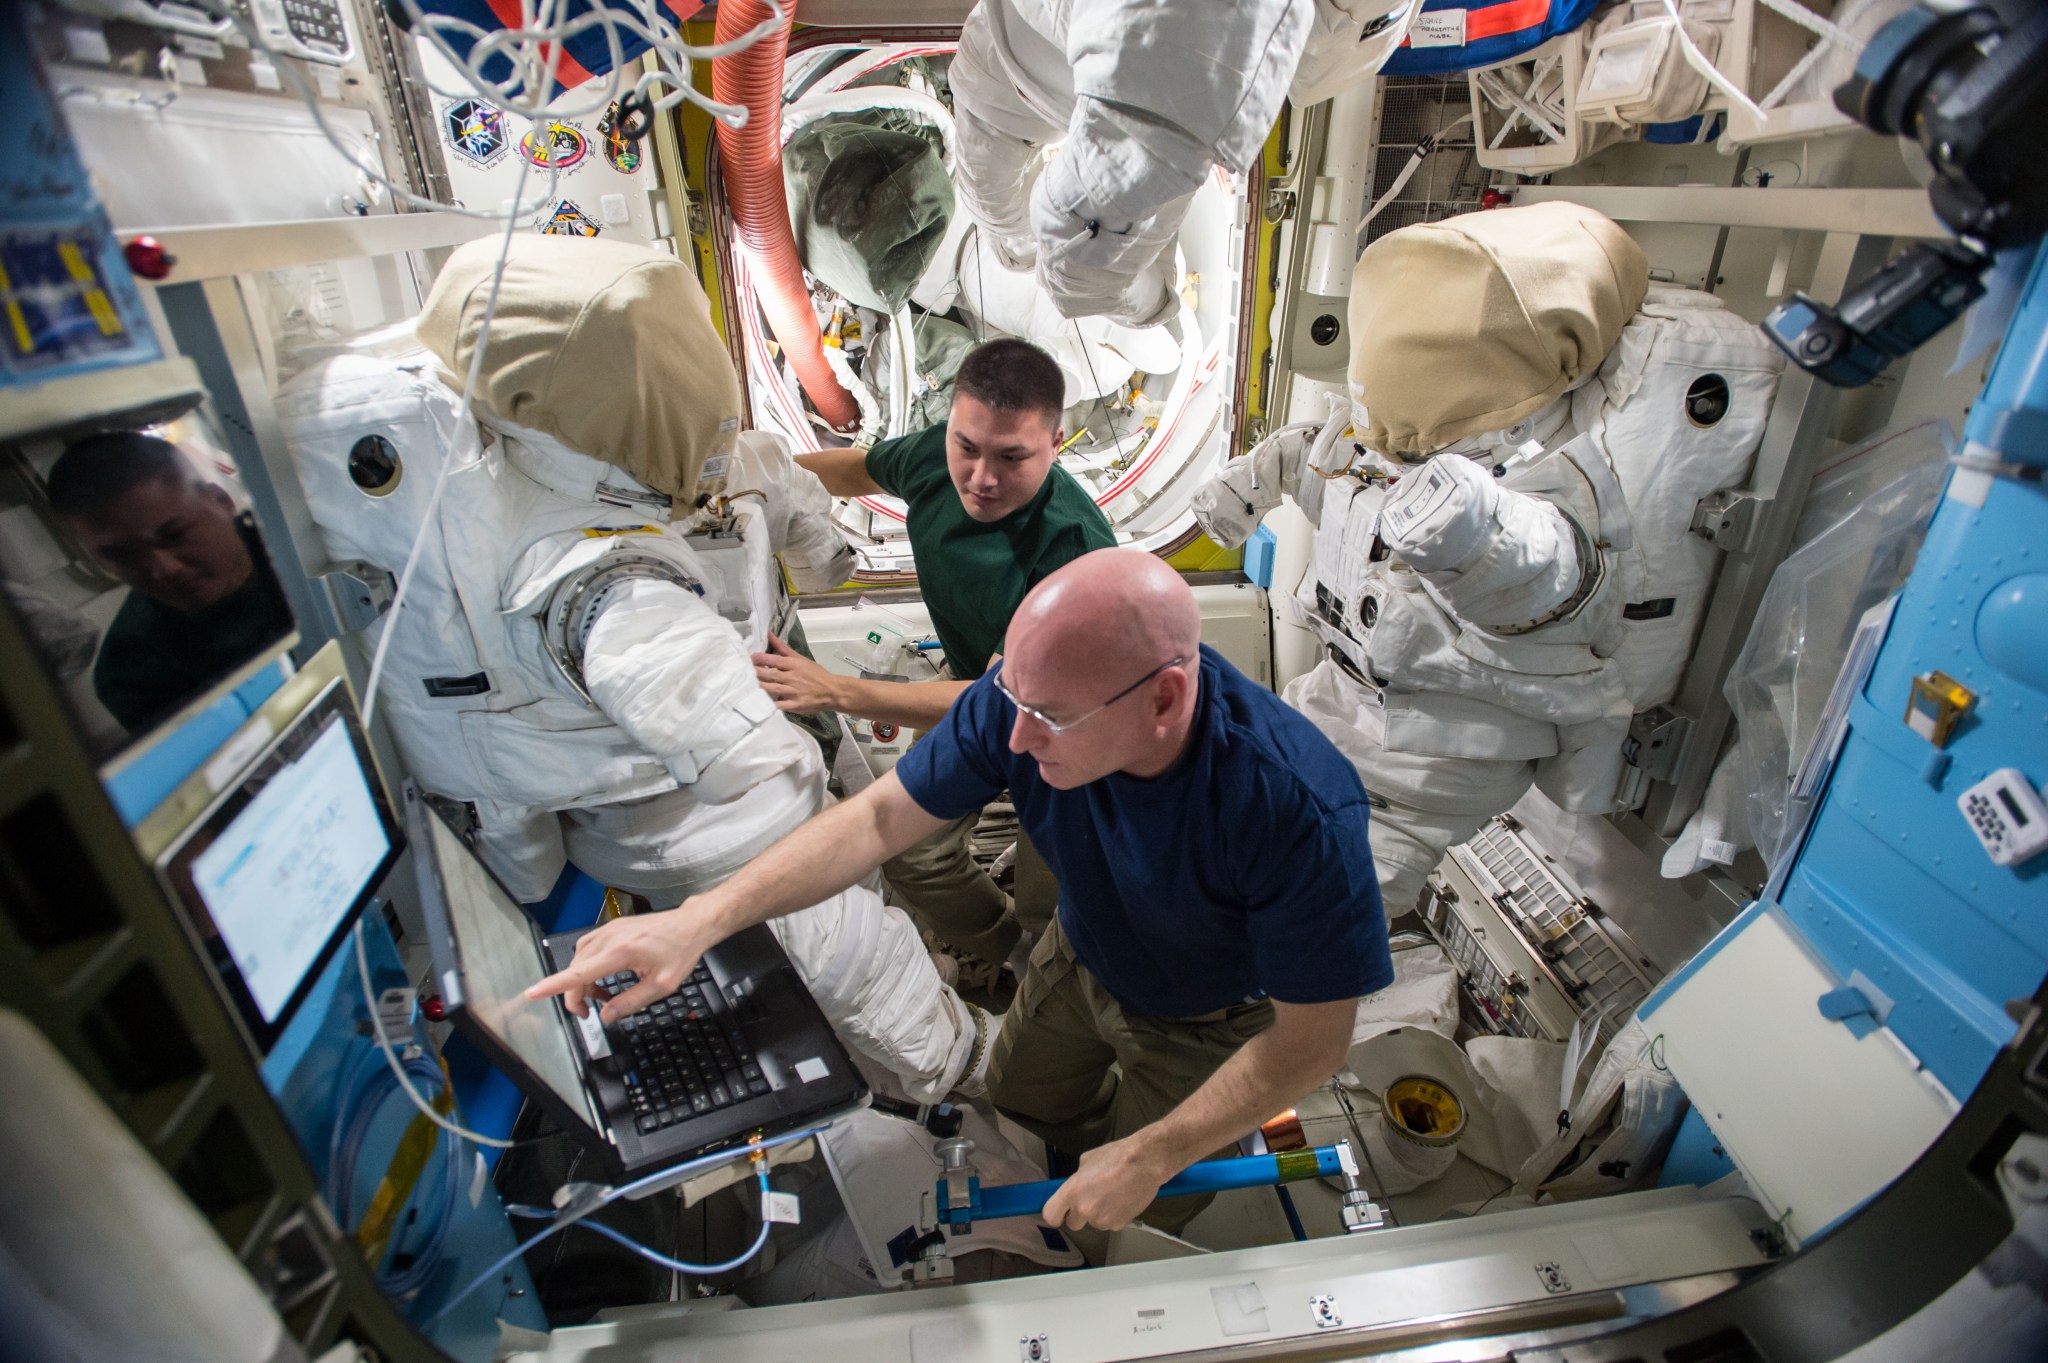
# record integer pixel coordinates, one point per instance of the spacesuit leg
(862, 960)
(1422, 804)
(867, 967)
(947, 891)
(998, 138)
(1409, 842)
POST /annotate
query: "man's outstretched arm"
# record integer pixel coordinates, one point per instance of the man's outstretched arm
(1306, 1044)
(805, 686)
(843, 472)
(820, 858)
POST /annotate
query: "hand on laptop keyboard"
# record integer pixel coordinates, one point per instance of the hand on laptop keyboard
(656, 951)
(687, 1052)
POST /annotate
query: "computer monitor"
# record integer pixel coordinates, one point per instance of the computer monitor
(487, 954)
(272, 876)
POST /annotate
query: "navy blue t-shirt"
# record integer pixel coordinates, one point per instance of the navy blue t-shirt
(1241, 871)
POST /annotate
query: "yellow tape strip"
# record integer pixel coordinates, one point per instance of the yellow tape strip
(103, 312)
(408, 1162)
(75, 261)
(1295, 1165)
(23, 342)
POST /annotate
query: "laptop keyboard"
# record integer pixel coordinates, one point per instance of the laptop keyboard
(686, 1055)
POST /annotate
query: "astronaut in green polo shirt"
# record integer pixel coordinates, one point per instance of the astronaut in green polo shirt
(990, 514)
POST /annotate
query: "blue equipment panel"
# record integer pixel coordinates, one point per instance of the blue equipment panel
(1891, 882)
(68, 304)
(336, 1091)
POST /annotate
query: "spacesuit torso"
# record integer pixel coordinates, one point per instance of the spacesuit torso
(1495, 615)
(571, 661)
(565, 643)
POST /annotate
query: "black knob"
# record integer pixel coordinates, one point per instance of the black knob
(944, 1121)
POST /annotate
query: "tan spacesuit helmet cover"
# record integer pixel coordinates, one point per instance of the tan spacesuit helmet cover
(606, 346)
(1470, 324)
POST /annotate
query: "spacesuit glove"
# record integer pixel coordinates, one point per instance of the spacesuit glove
(1441, 519)
(1230, 505)
(798, 512)
(1115, 1182)
(661, 948)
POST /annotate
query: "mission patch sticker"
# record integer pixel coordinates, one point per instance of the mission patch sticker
(568, 220)
(476, 132)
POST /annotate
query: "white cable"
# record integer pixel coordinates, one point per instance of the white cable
(534, 49)
(572, 1216)
(356, 156)
(903, 373)
(463, 427)
(391, 1054)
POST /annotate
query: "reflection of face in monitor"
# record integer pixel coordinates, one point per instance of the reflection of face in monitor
(139, 509)
(273, 875)
(499, 960)
(202, 600)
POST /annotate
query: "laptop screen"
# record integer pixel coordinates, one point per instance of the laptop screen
(272, 876)
(498, 957)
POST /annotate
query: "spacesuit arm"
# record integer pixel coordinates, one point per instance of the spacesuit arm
(1498, 559)
(822, 857)
(799, 512)
(664, 667)
(1161, 92)
(1230, 505)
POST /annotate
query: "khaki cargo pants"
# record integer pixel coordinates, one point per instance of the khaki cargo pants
(942, 886)
(1075, 1069)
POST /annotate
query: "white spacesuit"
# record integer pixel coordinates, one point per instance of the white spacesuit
(1143, 99)
(571, 660)
(1517, 578)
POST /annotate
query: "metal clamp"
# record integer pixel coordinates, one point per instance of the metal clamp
(359, 592)
(1655, 740)
(1730, 520)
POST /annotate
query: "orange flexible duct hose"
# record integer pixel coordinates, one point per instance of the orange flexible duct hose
(751, 159)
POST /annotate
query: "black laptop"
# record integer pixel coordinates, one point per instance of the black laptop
(740, 1048)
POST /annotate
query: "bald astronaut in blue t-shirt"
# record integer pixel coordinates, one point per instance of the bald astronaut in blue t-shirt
(1219, 913)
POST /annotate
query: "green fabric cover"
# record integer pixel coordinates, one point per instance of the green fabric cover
(973, 574)
(869, 204)
(941, 346)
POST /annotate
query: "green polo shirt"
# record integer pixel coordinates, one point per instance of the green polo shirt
(973, 574)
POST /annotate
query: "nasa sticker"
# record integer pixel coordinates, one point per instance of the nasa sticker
(621, 153)
(476, 132)
(567, 220)
(559, 145)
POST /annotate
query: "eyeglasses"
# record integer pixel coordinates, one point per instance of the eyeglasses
(1057, 727)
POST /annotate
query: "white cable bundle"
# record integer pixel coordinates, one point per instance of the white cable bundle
(534, 50)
